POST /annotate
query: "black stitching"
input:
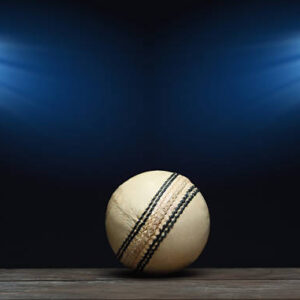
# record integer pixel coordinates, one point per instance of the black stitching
(143, 218)
(167, 227)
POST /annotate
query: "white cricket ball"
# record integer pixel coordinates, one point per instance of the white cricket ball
(157, 222)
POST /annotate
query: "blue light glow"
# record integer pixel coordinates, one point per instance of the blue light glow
(78, 90)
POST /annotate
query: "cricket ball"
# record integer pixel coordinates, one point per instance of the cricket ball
(157, 222)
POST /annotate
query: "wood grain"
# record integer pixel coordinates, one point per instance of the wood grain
(122, 284)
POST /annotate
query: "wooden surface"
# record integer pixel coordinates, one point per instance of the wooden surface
(122, 284)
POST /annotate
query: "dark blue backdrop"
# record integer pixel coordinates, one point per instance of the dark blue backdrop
(93, 92)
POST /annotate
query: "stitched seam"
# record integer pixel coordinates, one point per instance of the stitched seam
(138, 225)
(167, 227)
(164, 208)
(149, 227)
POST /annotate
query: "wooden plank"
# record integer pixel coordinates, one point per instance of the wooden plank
(123, 274)
(224, 284)
(151, 289)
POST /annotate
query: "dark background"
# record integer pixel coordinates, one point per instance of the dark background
(94, 92)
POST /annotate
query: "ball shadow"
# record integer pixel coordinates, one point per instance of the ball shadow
(130, 274)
